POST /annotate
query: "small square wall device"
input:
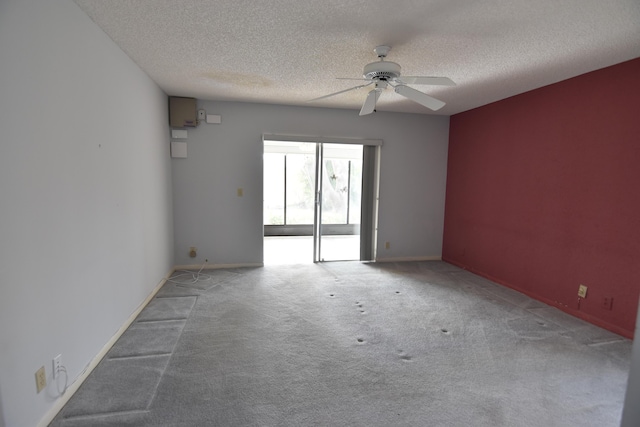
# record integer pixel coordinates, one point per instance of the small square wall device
(178, 150)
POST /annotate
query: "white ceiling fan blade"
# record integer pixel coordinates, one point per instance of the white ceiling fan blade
(423, 80)
(370, 103)
(338, 93)
(419, 97)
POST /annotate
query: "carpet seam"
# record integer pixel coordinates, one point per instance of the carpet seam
(106, 414)
(155, 390)
(157, 321)
(140, 356)
(171, 319)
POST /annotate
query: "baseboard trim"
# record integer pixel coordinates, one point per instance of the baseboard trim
(217, 266)
(410, 258)
(59, 404)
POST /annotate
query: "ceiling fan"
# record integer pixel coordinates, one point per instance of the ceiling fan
(383, 73)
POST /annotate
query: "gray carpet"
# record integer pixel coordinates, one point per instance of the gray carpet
(406, 344)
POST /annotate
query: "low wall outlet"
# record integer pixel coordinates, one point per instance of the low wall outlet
(41, 379)
(201, 114)
(193, 252)
(582, 291)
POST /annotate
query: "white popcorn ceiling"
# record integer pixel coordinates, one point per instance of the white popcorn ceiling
(288, 52)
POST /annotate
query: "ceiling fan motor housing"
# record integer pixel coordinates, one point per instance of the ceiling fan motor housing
(382, 70)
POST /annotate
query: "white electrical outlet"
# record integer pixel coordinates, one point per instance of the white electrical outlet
(41, 379)
(57, 364)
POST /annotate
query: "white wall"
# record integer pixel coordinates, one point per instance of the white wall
(227, 229)
(85, 192)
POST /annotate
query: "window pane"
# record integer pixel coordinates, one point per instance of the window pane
(355, 191)
(273, 189)
(342, 182)
(335, 191)
(300, 188)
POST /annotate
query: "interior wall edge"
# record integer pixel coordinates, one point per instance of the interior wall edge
(576, 313)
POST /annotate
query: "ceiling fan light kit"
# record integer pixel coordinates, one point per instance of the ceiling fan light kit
(381, 70)
(386, 73)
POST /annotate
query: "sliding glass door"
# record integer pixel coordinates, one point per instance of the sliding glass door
(316, 190)
(338, 202)
(289, 185)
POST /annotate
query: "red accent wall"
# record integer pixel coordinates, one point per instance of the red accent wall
(543, 194)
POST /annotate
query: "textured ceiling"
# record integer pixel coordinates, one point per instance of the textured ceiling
(288, 52)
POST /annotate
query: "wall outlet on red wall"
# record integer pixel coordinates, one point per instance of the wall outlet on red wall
(607, 303)
(582, 291)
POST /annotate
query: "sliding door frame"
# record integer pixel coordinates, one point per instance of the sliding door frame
(369, 202)
(370, 189)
